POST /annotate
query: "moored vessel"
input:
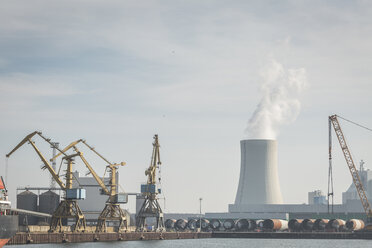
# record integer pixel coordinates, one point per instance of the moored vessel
(8, 218)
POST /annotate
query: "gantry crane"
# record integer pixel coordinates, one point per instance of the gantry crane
(112, 210)
(353, 170)
(68, 207)
(151, 206)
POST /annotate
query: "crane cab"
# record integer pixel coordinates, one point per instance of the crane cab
(75, 194)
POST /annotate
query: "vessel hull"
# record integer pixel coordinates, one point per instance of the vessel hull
(8, 228)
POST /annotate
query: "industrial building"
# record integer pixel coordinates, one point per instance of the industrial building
(317, 197)
(48, 201)
(95, 200)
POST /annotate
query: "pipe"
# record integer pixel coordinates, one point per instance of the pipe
(215, 224)
(294, 225)
(204, 223)
(170, 223)
(320, 224)
(354, 224)
(181, 224)
(307, 224)
(29, 212)
(191, 224)
(229, 224)
(259, 224)
(335, 224)
(241, 225)
(252, 225)
(275, 225)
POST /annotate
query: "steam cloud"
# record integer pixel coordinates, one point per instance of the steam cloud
(280, 103)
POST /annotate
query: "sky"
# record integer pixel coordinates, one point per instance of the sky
(117, 72)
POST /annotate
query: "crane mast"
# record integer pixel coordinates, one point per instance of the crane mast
(353, 170)
(151, 207)
(330, 171)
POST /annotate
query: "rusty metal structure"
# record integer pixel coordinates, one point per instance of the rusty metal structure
(151, 207)
(68, 207)
(112, 210)
(353, 170)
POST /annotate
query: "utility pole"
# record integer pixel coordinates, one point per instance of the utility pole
(200, 216)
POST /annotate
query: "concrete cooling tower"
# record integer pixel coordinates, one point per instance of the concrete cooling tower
(259, 181)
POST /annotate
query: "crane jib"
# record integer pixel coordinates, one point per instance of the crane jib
(349, 160)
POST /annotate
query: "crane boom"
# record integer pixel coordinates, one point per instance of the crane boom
(66, 149)
(46, 164)
(155, 161)
(98, 179)
(349, 160)
(99, 155)
(26, 139)
(100, 182)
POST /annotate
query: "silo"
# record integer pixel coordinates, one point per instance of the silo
(48, 203)
(259, 180)
(28, 201)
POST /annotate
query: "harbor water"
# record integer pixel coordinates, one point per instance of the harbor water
(213, 243)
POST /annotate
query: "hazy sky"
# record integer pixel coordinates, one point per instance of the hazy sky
(117, 72)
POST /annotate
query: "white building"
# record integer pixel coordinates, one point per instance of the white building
(94, 202)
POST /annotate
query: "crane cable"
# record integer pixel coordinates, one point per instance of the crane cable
(369, 129)
(6, 170)
(357, 124)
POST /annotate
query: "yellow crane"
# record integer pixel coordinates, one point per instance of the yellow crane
(112, 210)
(151, 207)
(353, 170)
(68, 207)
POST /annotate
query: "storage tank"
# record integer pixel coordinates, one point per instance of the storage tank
(259, 180)
(28, 201)
(355, 224)
(48, 202)
(275, 225)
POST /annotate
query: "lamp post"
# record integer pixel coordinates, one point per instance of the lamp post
(200, 224)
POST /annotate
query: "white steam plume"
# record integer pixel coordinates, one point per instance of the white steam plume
(280, 103)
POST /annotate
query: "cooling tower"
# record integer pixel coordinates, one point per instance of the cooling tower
(259, 181)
